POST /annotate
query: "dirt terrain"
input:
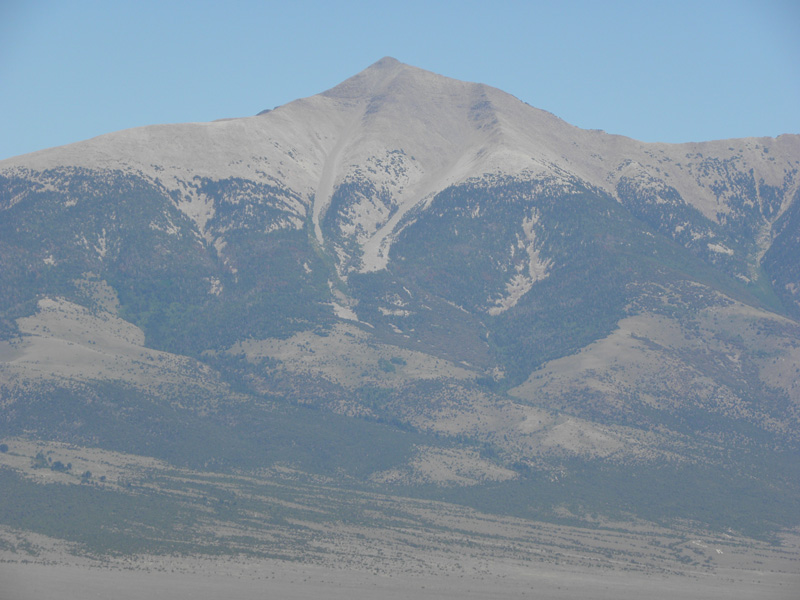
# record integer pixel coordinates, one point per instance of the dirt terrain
(334, 544)
(69, 578)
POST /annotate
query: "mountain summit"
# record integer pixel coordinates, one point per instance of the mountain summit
(435, 131)
(411, 281)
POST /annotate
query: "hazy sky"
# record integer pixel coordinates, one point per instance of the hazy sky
(657, 71)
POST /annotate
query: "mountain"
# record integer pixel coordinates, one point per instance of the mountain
(415, 285)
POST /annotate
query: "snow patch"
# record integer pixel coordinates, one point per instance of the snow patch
(169, 228)
(343, 312)
(720, 249)
(342, 305)
(394, 312)
(537, 269)
(101, 247)
(215, 286)
(199, 209)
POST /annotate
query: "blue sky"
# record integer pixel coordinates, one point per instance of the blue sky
(656, 71)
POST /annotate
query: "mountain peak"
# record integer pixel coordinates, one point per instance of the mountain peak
(373, 80)
(390, 78)
(385, 63)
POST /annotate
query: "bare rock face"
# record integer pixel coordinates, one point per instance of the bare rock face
(498, 294)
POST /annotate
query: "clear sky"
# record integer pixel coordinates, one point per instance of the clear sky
(669, 71)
